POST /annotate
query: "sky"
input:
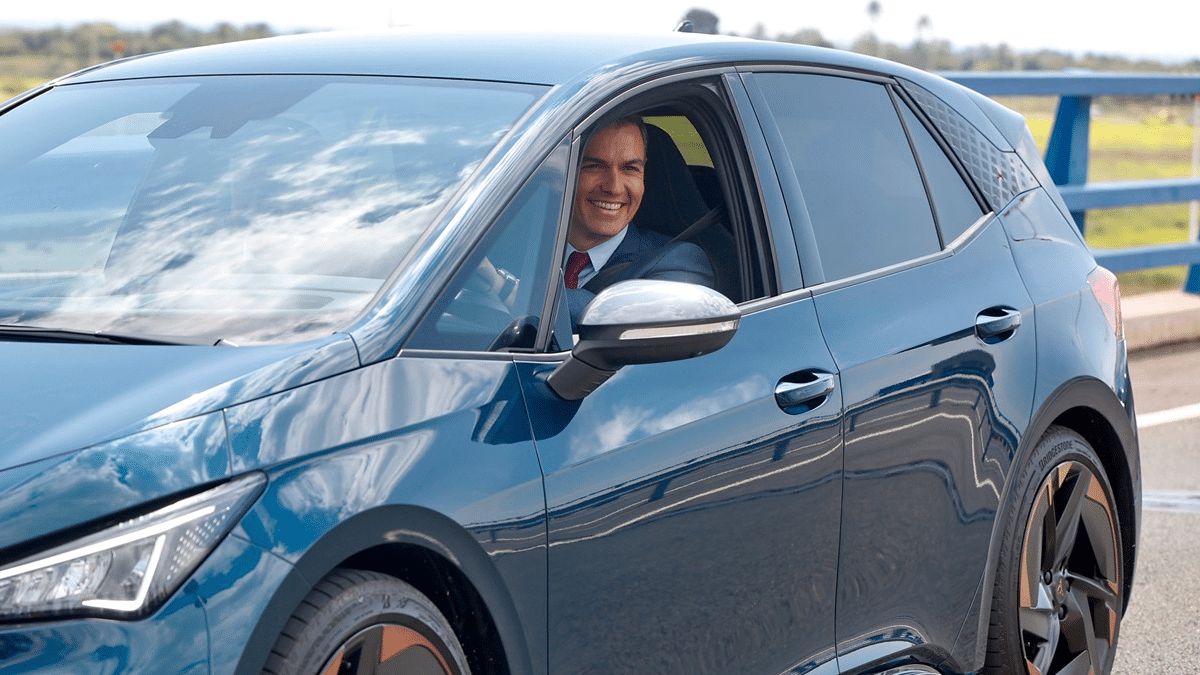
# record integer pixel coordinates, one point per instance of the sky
(1166, 30)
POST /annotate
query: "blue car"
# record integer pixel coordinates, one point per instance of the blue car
(297, 378)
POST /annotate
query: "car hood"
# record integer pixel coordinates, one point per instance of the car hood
(57, 398)
(89, 431)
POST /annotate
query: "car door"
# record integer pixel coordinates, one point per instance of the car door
(693, 507)
(931, 329)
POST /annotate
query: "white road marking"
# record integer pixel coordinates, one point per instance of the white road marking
(1187, 412)
(1179, 501)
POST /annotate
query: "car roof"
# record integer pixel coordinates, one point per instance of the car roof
(586, 75)
(570, 60)
(533, 58)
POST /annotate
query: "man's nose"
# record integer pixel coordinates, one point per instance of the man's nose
(610, 181)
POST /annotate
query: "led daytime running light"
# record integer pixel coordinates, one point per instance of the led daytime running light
(132, 567)
(106, 545)
(143, 589)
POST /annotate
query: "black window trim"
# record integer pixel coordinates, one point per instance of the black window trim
(912, 147)
(812, 272)
(552, 303)
(757, 153)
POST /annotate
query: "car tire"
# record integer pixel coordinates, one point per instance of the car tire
(1059, 592)
(363, 622)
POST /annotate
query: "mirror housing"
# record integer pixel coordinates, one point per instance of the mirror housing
(643, 321)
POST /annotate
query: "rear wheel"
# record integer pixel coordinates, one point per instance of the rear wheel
(359, 623)
(1059, 593)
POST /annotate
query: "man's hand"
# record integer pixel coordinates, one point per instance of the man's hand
(494, 281)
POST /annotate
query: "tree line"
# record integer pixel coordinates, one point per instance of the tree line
(94, 42)
(940, 54)
(29, 57)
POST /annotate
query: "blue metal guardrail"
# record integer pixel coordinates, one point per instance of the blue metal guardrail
(1067, 154)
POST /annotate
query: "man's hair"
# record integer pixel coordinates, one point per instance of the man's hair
(637, 121)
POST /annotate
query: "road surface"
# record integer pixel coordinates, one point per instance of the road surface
(1161, 631)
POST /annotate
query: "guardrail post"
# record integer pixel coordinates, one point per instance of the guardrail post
(1067, 151)
(1192, 283)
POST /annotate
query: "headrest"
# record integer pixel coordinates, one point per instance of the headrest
(671, 201)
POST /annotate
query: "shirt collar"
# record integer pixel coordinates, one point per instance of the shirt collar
(599, 254)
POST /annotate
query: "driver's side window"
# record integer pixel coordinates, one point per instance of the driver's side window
(496, 298)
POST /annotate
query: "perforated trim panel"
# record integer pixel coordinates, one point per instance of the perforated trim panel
(999, 175)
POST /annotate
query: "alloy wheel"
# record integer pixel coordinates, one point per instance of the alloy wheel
(1070, 579)
(388, 650)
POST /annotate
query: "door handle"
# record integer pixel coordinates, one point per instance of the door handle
(803, 390)
(997, 324)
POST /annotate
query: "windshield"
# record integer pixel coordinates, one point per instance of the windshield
(252, 209)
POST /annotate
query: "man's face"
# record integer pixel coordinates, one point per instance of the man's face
(610, 185)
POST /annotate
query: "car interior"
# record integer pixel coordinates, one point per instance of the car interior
(692, 186)
(675, 205)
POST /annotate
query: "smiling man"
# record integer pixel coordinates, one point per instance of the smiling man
(603, 247)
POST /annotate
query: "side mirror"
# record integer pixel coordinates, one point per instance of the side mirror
(643, 321)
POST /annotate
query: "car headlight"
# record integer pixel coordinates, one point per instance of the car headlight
(130, 568)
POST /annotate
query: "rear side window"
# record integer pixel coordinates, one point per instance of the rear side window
(861, 185)
(957, 208)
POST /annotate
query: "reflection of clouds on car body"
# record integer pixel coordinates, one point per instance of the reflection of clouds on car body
(627, 423)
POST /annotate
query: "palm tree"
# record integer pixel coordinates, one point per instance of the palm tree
(923, 26)
(920, 45)
(873, 10)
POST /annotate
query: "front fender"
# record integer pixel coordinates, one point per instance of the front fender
(388, 528)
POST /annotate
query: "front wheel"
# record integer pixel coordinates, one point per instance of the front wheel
(355, 623)
(1059, 593)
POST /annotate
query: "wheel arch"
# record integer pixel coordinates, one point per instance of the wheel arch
(1106, 441)
(1091, 409)
(427, 550)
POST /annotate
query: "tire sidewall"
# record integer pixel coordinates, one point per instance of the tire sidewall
(355, 603)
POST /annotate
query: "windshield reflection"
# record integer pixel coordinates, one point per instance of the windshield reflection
(253, 209)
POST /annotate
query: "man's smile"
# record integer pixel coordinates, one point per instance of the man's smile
(607, 206)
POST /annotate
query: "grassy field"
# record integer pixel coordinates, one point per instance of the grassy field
(1131, 141)
(22, 73)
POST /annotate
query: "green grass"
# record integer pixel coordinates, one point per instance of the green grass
(22, 73)
(11, 86)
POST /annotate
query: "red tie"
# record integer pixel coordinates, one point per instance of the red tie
(575, 264)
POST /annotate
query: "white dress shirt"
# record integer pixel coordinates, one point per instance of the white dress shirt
(598, 255)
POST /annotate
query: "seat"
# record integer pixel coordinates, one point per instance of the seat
(672, 202)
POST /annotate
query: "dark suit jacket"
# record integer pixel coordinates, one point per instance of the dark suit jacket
(645, 254)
